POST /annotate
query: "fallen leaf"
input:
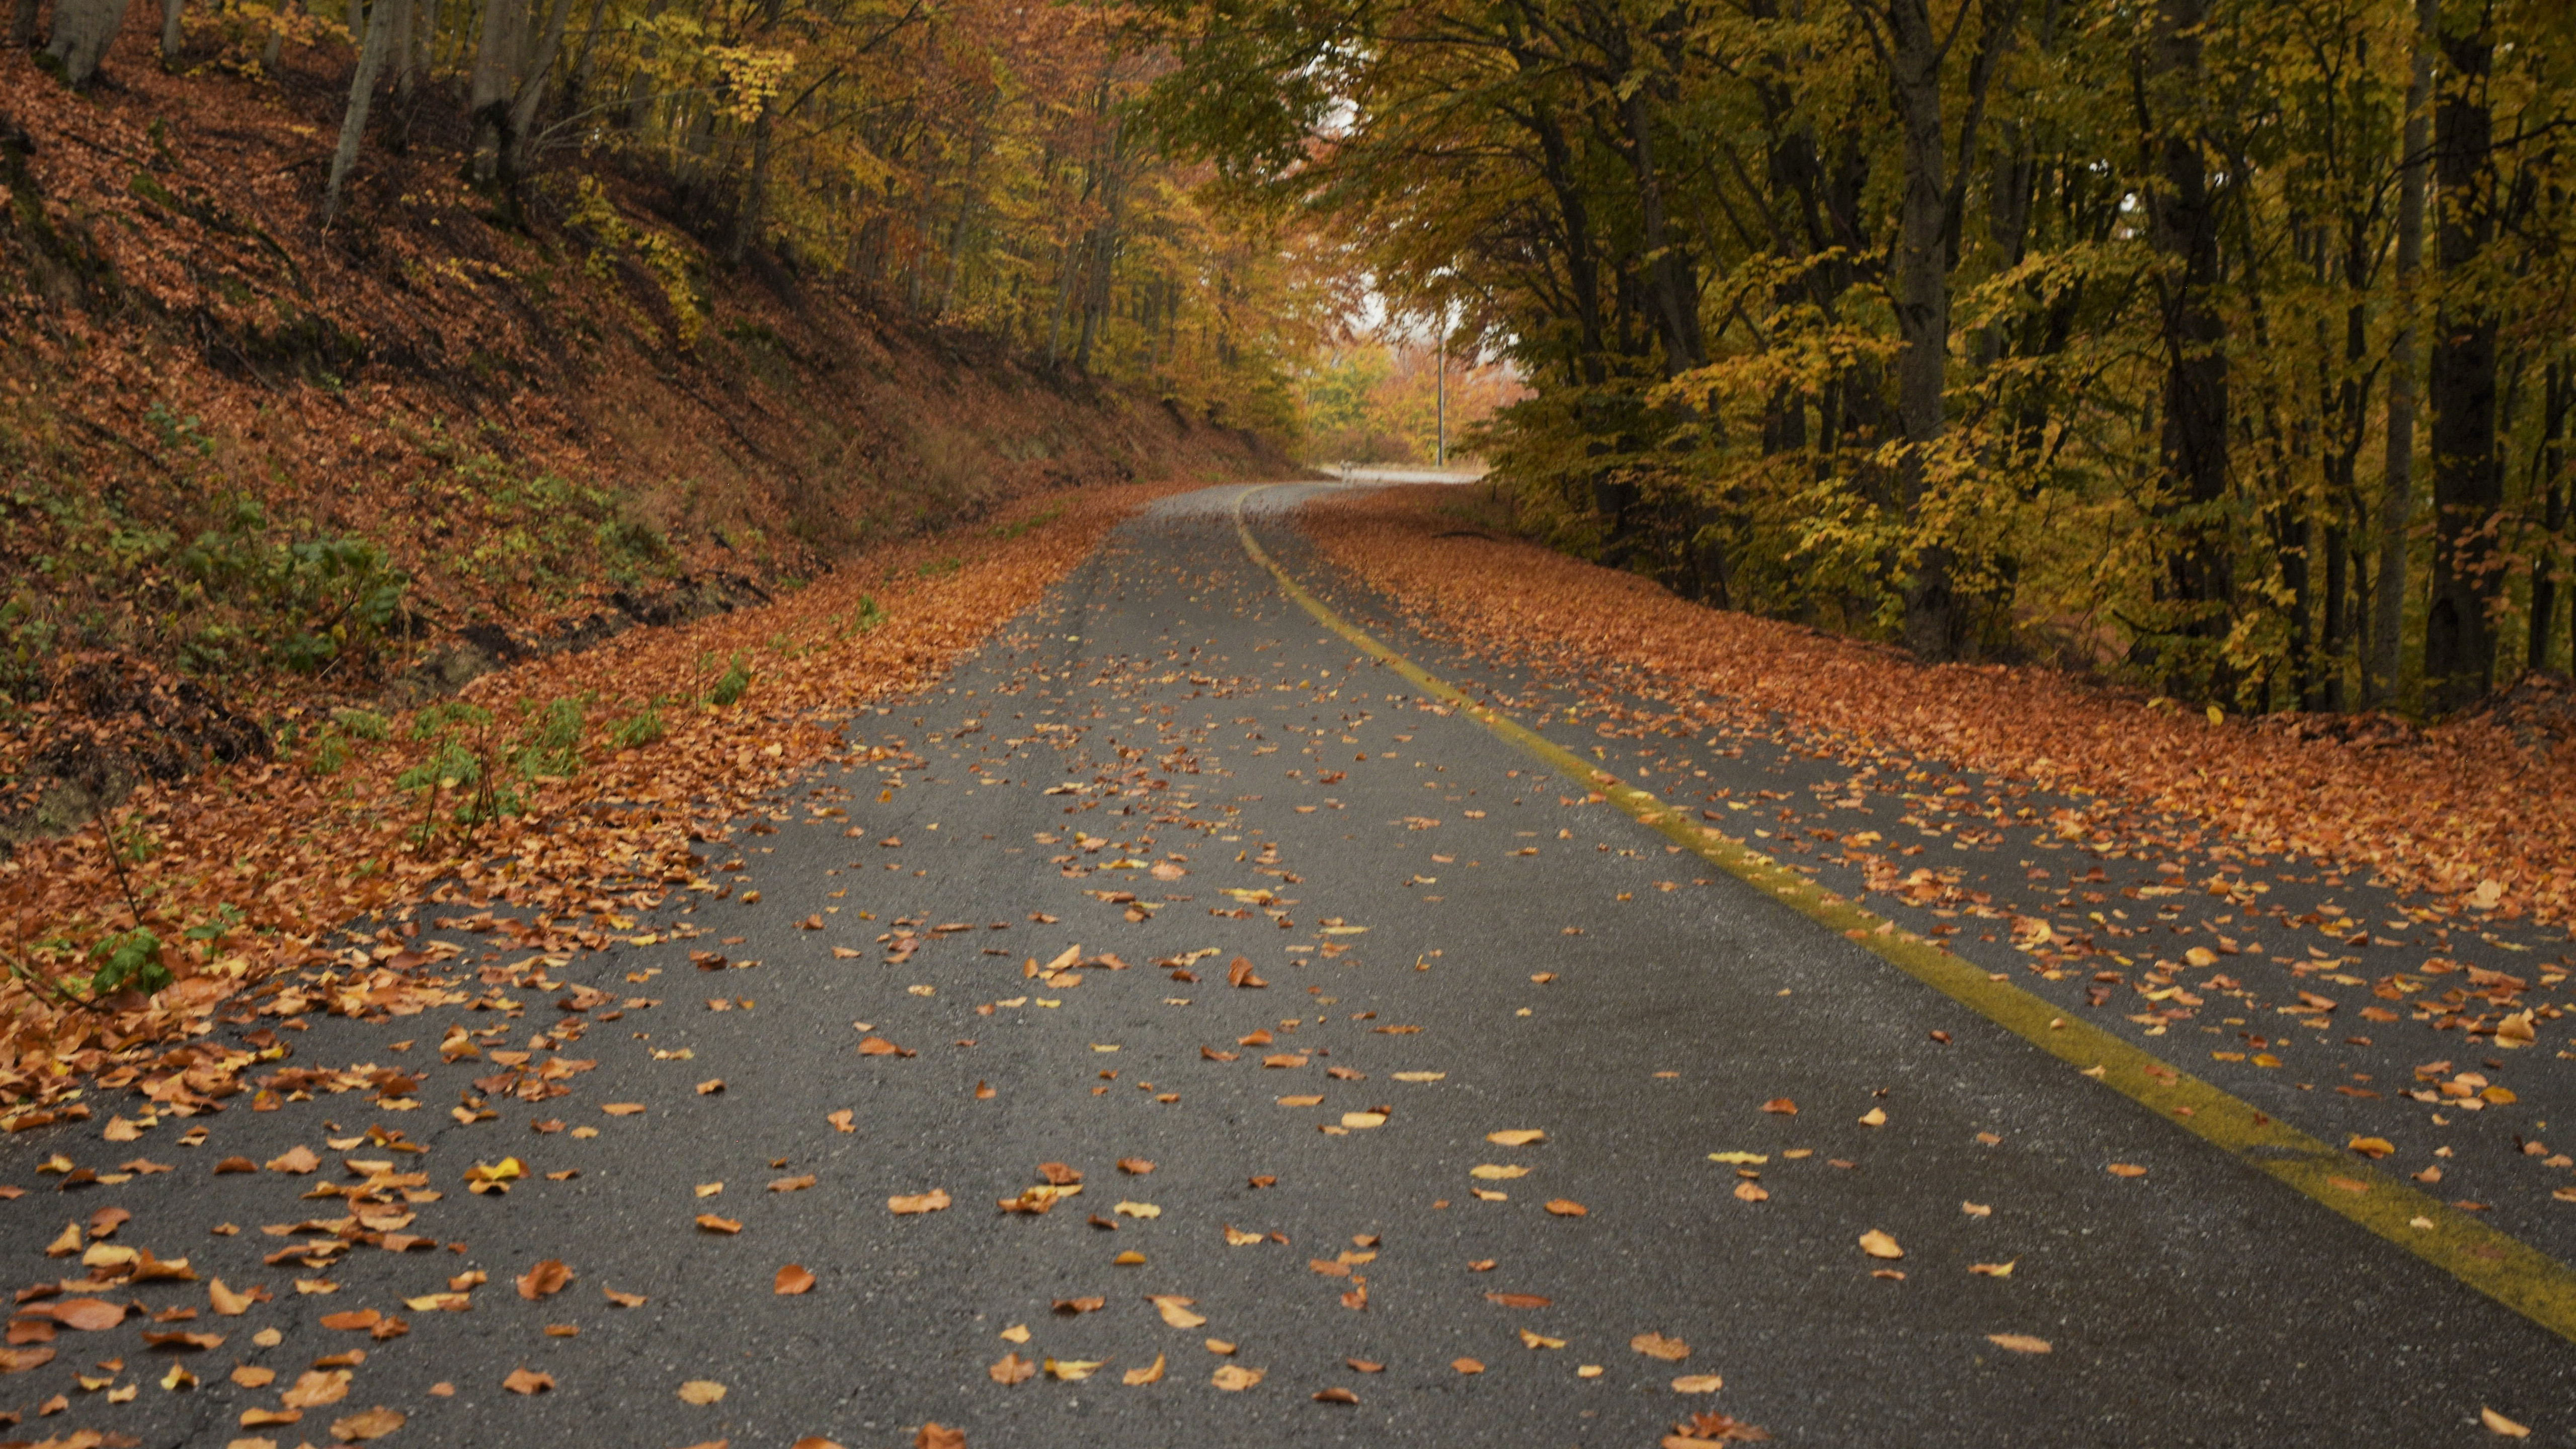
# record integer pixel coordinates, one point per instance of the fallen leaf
(1874, 1117)
(296, 1160)
(1073, 1370)
(1497, 1172)
(1519, 1300)
(845, 1120)
(1135, 1378)
(2125, 1169)
(1336, 1395)
(1012, 1369)
(1074, 1307)
(1135, 1166)
(373, 1423)
(1238, 973)
(2018, 1342)
(2371, 1147)
(20, 1360)
(1993, 1270)
(1698, 1384)
(623, 1109)
(354, 1319)
(1540, 1340)
(624, 1300)
(1138, 1210)
(1466, 1365)
(1566, 1207)
(1514, 1137)
(1880, 1245)
(252, 1376)
(544, 1280)
(1781, 1105)
(1752, 1192)
(702, 1392)
(90, 1315)
(316, 1387)
(1976, 1209)
(1234, 1379)
(1016, 1333)
(928, 1202)
(1656, 1345)
(713, 1224)
(792, 1280)
(933, 1435)
(2498, 1424)
(229, 1303)
(1365, 1366)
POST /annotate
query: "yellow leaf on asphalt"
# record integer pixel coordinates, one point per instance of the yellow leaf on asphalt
(1880, 1245)
(1072, 1370)
(928, 1202)
(1656, 1345)
(1698, 1384)
(2498, 1424)
(1540, 1340)
(702, 1392)
(1134, 1378)
(1497, 1172)
(1993, 1270)
(1235, 1379)
(2018, 1342)
(1517, 1137)
(1175, 1310)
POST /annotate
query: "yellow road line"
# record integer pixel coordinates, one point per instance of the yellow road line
(2502, 1267)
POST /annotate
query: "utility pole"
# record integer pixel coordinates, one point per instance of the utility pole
(1440, 395)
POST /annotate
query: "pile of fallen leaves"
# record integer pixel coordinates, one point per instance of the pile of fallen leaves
(242, 872)
(2474, 808)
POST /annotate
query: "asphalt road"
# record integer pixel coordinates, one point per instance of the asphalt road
(1170, 763)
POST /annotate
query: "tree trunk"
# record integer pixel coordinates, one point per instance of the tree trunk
(2397, 490)
(274, 51)
(1668, 271)
(22, 23)
(381, 19)
(1921, 285)
(2192, 452)
(2558, 394)
(2468, 484)
(534, 74)
(174, 34)
(83, 29)
(493, 85)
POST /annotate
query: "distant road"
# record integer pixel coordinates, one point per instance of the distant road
(1350, 474)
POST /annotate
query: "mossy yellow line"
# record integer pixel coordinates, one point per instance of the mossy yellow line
(2503, 1267)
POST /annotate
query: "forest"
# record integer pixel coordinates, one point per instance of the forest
(2217, 345)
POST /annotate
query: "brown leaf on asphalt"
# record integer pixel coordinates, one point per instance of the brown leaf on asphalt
(844, 1120)
(235, 1164)
(1698, 1384)
(1137, 1378)
(792, 1184)
(709, 1222)
(1519, 1300)
(1466, 1365)
(1234, 1379)
(354, 1319)
(316, 1387)
(1993, 1270)
(366, 1424)
(1365, 1366)
(1135, 1166)
(1752, 1192)
(624, 1300)
(2018, 1342)
(1566, 1207)
(1656, 1345)
(175, 1338)
(1533, 1339)
(2125, 1169)
(1516, 1137)
(90, 1315)
(20, 1360)
(296, 1161)
(702, 1392)
(1238, 973)
(1057, 1174)
(1012, 1369)
(711, 1086)
(932, 1436)
(1336, 1395)
(877, 1046)
(544, 1280)
(792, 1280)
(623, 1109)
(1880, 1245)
(927, 1202)
(1073, 1370)
(1781, 1105)
(252, 1376)
(1072, 1307)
